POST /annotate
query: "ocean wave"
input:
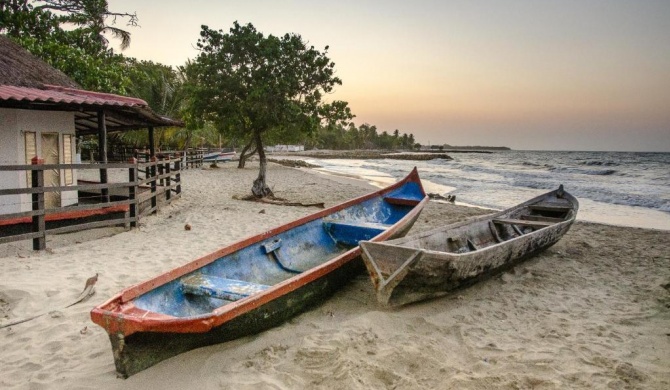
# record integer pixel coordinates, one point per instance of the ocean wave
(537, 184)
(638, 201)
(593, 172)
(600, 163)
(439, 161)
(493, 180)
(606, 172)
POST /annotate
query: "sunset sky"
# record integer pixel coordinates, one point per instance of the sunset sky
(545, 75)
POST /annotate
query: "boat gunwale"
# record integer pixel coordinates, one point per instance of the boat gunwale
(118, 321)
(480, 250)
(573, 210)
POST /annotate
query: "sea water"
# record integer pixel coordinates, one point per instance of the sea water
(619, 188)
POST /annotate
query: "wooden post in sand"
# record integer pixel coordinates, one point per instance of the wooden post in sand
(168, 187)
(132, 191)
(177, 176)
(39, 225)
(152, 169)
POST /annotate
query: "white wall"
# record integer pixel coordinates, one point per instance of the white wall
(13, 124)
(9, 151)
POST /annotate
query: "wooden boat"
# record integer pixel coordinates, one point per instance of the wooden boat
(433, 263)
(255, 283)
(219, 156)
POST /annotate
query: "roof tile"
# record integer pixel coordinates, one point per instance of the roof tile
(57, 94)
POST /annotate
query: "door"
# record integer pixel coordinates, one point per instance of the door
(51, 155)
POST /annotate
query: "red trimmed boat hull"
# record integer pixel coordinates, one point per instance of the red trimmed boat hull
(144, 329)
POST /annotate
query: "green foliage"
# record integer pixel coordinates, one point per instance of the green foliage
(159, 85)
(252, 86)
(363, 137)
(247, 83)
(69, 35)
(107, 73)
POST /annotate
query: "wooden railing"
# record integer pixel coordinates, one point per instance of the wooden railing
(192, 158)
(148, 185)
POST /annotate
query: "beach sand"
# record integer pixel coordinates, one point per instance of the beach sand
(593, 311)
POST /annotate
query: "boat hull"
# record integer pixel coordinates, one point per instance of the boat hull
(404, 271)
(254, 284)
(219, 157)
(141, 350)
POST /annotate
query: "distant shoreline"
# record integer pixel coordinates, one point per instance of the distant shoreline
(359, 154)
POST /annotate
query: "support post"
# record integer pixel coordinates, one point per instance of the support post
(132, 191)
(38, 223)
(177, 176)
(102, 153)
(152, 143)
(168, 187)
(159, 166)
(152, 169)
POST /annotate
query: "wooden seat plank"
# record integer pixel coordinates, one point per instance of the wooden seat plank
(521, 222)
(222, 288)
(402, 201)
(541, 218)
(550, 206)
(351, 232)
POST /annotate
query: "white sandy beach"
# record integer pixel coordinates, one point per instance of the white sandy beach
(591, 312)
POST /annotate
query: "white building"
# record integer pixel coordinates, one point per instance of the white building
(42, 111)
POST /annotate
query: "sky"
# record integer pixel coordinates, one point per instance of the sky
(527, 74)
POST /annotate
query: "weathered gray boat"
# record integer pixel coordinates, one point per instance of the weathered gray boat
(436, 262)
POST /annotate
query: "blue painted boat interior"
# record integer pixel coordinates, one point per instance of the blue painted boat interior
(257, 267)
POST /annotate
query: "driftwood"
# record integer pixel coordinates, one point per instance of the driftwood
(448, 198)
(87, 292)
(278, 201)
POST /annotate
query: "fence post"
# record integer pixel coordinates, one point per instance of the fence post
(168, 187)
(177, 176)
(160, 170)
(132, 191)
(152, 168)
(39, 225)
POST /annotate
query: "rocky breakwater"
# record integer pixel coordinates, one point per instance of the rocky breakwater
(293, 163)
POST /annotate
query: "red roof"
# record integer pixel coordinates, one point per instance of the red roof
(123, 113)
(63, 95)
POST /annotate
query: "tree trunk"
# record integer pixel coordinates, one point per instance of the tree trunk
(244, 155)
(260, 189)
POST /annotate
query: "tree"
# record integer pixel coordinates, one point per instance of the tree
(254, 86)
(70, 36)
(162, 88)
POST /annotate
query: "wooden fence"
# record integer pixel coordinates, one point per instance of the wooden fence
(148, 185)
(191, 158)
